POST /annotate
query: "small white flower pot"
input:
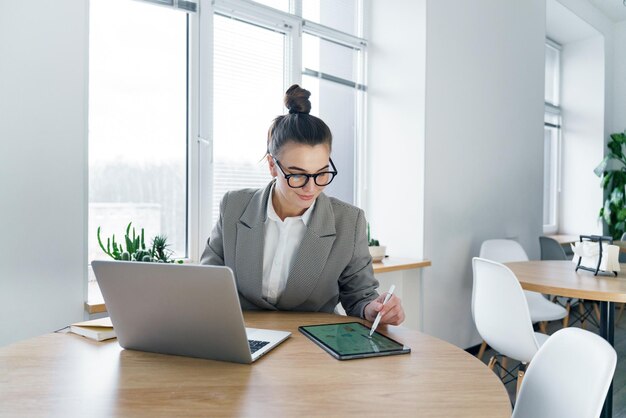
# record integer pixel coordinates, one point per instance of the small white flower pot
(377, 253)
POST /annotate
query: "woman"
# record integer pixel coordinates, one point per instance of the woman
(290, 246)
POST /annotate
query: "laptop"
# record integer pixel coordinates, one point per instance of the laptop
(181, 309)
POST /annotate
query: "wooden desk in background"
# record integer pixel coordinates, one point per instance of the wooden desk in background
(389, 264)
(64, 375)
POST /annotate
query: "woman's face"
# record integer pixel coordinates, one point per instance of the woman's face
(297, 158)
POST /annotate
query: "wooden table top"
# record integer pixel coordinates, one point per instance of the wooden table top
(559, 278)
(396, 264)
(66, 375)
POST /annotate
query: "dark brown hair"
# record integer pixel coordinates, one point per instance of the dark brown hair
(298, 125)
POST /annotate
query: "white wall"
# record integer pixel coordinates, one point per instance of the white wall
(619, 81)
(394, 194)
(583, 103)
(43, 165)
(395, 129)
(484, 146)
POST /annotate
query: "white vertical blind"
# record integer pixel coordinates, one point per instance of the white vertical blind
(331, 73)
(248, 94)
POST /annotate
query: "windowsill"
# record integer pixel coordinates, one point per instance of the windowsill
(564, 239)
(95, 304)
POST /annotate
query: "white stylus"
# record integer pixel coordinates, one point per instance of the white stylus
(377, 320)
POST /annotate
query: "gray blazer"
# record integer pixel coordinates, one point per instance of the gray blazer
(332, 265)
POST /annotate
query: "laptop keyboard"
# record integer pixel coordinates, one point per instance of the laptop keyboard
(257, 345)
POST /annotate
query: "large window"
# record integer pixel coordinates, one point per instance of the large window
(180, 104)
(552, 139)
(137, 122)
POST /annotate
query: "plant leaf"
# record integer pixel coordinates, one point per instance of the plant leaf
(607, 212)
(600, 168)
(617, 197)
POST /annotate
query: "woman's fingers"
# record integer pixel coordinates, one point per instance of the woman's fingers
(393, 313)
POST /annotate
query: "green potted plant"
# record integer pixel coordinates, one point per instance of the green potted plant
(377, 251)
(612, 170)
(136, 249)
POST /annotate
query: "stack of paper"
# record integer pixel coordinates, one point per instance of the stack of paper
(97, 329)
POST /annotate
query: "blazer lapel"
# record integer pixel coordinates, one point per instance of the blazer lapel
(312, 255)
(249, 249)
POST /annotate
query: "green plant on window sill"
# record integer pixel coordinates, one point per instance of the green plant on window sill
(371, 241)
(376, 250)
(136, 249)
(612, 169)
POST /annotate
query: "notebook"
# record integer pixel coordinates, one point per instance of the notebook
(96, 329)
(181, 309)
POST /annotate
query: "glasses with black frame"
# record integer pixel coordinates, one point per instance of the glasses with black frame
(297, 181)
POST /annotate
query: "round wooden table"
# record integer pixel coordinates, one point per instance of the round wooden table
(67, 375)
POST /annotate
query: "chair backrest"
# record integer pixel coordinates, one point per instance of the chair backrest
(502, 251)
(501, 312)
(551, 249)
(623, 237)
(569, 377)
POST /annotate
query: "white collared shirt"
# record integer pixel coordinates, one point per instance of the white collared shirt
(282, 241)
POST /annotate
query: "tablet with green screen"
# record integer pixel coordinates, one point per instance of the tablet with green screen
(351, 340)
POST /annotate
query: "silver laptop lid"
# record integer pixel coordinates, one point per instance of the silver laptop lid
(187, 310)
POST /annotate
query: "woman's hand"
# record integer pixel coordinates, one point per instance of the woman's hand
(392, 312)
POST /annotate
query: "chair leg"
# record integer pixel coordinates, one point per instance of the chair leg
(581, 311)
(492, 362)
(520, 376)
(543, 327)
(503, 369)
(481, 351)
(621, 311)
(566, 319)
(596, 310)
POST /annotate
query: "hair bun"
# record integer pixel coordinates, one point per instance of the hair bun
(297, 99)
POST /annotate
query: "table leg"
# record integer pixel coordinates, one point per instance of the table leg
(607, 330)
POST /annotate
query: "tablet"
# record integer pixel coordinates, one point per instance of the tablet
(351, 340)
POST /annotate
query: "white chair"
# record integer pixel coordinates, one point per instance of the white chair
(569, 377)
(501, 314)
(541, 309)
